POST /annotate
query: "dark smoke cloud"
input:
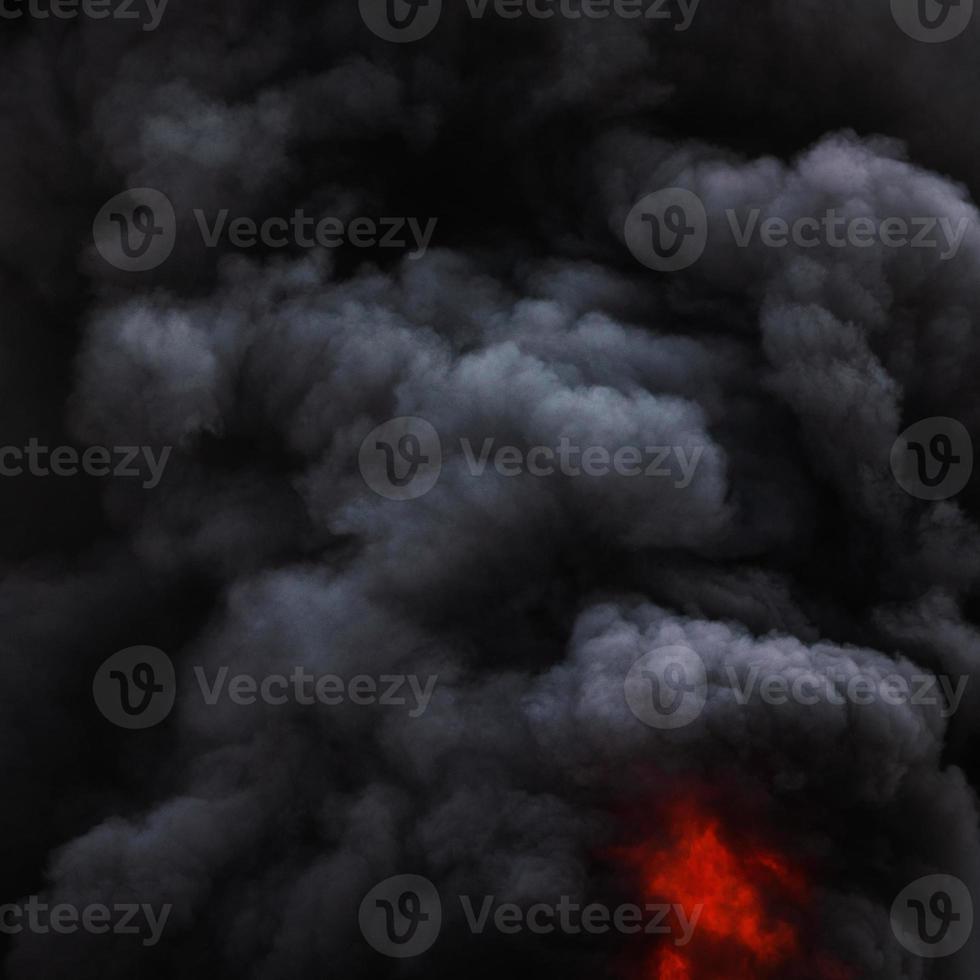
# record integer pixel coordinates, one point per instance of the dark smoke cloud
(792, 550)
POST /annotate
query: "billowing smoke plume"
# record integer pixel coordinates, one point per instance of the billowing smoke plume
(775, 543)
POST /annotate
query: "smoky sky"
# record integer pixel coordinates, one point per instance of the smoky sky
(792, 550)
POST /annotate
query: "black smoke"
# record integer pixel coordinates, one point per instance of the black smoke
(528, 320)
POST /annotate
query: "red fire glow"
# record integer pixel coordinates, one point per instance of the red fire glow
(673, 966)
(753, 902)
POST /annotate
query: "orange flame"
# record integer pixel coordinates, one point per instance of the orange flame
(752, 902)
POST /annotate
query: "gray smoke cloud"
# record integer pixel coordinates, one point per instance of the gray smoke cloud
(777, 544)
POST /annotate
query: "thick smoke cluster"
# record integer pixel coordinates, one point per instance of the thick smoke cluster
(793, 549)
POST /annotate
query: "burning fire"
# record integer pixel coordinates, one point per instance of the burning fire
(754, 901)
